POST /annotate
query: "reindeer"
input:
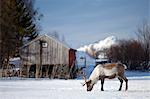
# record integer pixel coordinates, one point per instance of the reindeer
(110, 71)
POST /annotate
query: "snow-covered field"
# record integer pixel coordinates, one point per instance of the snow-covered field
(139, 88)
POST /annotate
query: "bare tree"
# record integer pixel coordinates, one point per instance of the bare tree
(54, 34)
(129, 52)
(143, 34)
(63, 39)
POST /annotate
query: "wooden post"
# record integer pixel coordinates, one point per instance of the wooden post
(41, 51)
(55, 67)
(47, 70)
(28, 69)
(37, 71)
(20, 73)
(21, 70)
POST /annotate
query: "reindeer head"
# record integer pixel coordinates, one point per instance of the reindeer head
(88, 84)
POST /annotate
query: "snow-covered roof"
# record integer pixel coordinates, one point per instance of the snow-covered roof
(101, 59)
(15, 61)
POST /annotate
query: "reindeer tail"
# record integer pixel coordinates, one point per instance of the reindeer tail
(125, 66)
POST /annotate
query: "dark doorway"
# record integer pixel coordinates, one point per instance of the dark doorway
(32, 71)
(44, 67)
(50, 70)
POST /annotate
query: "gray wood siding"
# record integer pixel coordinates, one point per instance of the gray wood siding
(54, 54)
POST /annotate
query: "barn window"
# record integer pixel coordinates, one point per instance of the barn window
(44, 44)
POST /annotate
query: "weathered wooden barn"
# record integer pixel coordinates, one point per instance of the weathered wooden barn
(46, 56)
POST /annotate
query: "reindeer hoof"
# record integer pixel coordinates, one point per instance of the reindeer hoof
(102, 89)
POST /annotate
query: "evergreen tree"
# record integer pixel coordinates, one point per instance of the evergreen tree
(18, 19)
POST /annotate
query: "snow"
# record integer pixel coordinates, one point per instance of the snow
(139, 88)
(15, 61)
(89, 60)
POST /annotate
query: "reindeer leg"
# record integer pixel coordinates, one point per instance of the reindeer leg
(126, 80)
(102, 83)
(121, 81)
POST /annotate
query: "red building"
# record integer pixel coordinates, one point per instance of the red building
(72, 57)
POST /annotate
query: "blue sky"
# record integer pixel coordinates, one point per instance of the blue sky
(86, 21)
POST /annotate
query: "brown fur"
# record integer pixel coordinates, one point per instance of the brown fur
(110, 66)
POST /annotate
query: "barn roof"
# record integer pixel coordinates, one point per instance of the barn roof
(39, 37)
